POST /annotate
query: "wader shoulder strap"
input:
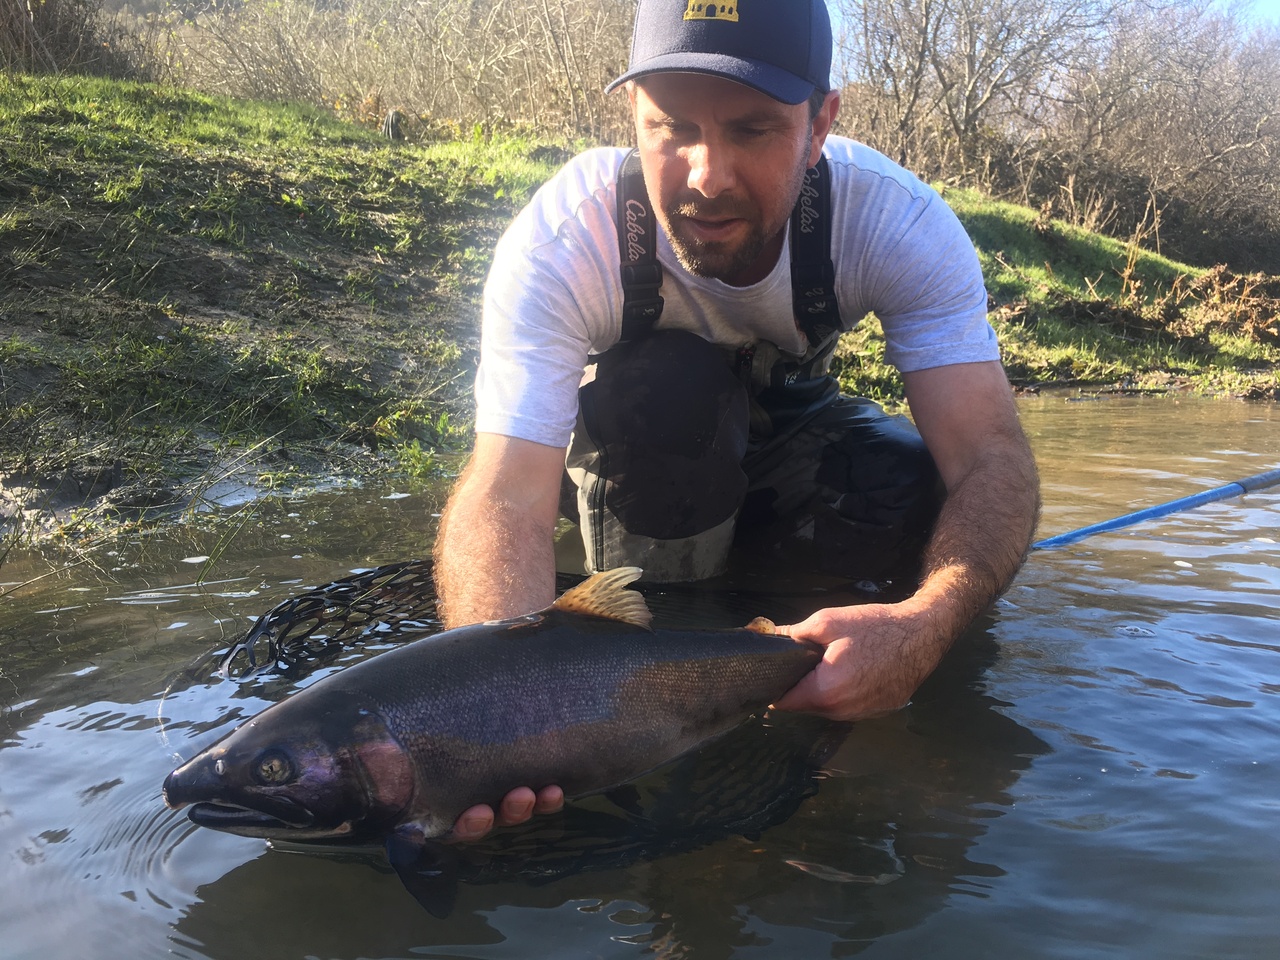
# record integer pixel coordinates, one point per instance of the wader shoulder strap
(638, 252)
(813, 275)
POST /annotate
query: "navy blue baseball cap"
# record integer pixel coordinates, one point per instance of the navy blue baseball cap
(780, 47)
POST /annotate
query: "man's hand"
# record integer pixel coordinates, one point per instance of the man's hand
(877, 655)
(517, 806)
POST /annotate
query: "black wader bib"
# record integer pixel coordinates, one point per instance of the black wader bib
(689, 458)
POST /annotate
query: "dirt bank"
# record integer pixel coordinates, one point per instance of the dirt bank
(199, 294)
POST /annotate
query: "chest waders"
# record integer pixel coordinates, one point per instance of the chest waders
(784, 391)
(684, 450)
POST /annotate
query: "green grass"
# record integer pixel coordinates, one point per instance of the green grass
(187, 279)
(1024, 256)
(1072, 307)
(157, 162)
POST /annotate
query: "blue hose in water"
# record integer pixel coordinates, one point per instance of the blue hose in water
(1258, 481)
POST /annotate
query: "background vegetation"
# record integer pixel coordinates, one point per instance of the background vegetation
(196, 290)
(1145, 117)
(1129, 117)
(225, 271)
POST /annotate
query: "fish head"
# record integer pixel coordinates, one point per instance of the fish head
(311, 768)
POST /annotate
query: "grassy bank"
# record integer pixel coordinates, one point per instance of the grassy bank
(1076, 309)
(194, 287)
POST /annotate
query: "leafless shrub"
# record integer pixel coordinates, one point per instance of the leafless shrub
(1179, 112)
(957, 83)
(53, 36)
(260, 50)
(1110, 110)
(540, 64)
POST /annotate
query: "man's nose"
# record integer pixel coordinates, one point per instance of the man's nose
(710, 169)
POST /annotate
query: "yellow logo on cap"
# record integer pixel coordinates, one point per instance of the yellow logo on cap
(711, 11)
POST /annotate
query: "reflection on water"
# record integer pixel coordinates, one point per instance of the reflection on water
(1092, 772)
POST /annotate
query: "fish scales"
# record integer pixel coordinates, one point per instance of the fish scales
(550, 699)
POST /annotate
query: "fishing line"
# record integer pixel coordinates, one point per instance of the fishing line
(1259, 481)
(194, 672)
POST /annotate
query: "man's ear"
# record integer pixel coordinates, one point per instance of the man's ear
(822, 125)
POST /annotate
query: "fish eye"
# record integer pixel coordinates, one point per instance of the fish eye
(273, 768)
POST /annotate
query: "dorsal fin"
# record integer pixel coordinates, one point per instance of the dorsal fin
(605, 595)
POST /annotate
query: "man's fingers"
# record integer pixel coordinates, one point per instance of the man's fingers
(550, 800)
(473, 823)
(800, 697)
(516, 807)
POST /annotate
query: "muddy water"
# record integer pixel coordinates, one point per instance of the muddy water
(1094, 771)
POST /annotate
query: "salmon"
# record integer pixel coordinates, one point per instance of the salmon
(584, 694)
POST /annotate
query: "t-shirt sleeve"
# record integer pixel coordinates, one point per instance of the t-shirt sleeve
(910, 261)
(532, 354)
(549, 302)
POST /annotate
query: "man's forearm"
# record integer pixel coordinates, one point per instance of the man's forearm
(967, 417)
(494, 555)
(490, 563)
(978, 544)
(878, 654)
(981, 537)
(494, 559)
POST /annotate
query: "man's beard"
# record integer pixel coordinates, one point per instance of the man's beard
(727, 262)
(717, 261)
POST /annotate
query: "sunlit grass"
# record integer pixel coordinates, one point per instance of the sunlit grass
(181, 271)
(182, 274)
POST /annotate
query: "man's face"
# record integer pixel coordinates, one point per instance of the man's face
(723, 165)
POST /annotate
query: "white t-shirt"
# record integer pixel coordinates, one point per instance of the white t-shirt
(554, 293)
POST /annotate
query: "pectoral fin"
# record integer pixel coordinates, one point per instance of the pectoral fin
(428, 870)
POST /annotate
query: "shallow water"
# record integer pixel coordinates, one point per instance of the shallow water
(1093, 772)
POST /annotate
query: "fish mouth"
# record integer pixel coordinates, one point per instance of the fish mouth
(197, 787)
(233, 818)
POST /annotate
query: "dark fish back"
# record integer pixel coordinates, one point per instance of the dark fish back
(562, 698)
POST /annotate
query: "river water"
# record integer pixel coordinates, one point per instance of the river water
(1093, 772)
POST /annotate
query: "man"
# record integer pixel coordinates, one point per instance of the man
(714, 428)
